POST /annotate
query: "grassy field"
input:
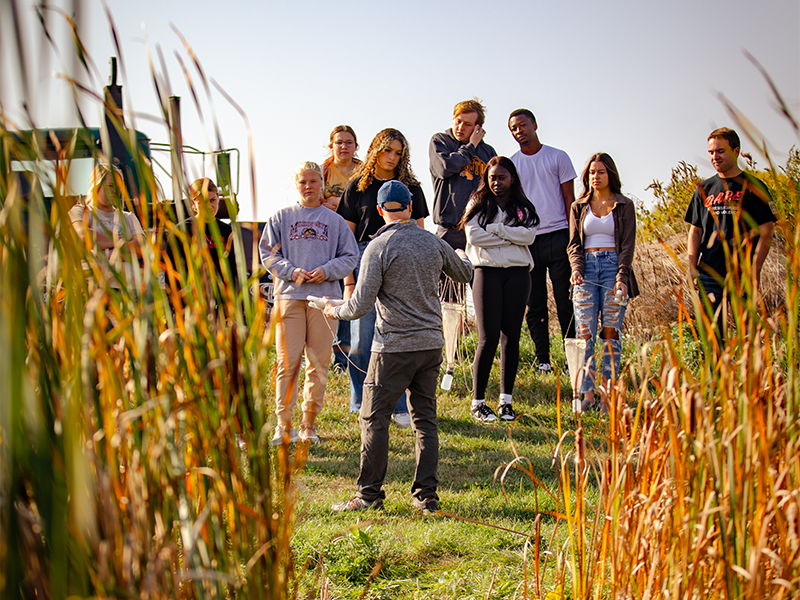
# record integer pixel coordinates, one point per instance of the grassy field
(477, 549)
(134, 429)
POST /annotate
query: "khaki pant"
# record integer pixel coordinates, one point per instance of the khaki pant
(299, 326)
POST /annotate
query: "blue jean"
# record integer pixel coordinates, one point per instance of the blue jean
(361, 333)
(595, 303)
(342, 341)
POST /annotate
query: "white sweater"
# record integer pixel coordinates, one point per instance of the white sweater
(499, 245)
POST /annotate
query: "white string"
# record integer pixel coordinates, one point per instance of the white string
(456, 293)
(347, 356)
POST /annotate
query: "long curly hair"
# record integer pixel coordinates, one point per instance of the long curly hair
(520, 212)
(402, 172)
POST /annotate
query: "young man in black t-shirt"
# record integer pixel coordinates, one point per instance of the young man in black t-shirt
(728, 201)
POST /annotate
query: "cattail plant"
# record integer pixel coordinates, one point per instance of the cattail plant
(690, 487)
(134, 434)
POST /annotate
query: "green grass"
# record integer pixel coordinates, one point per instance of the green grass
(441, 556)
(134, 459)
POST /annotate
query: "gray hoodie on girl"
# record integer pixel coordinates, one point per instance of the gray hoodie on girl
(304, 237)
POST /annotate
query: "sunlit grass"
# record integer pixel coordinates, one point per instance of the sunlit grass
(134, 456)
(135, 423)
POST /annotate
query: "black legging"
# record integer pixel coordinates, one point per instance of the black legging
(500, 297)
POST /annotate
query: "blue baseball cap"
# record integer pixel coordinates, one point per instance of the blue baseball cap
(394, 192)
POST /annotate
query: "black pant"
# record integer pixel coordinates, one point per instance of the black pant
(549, 252)
(499, 296)
(449, 290)
(388, 376)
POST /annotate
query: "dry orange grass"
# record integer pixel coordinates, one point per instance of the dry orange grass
(660, 272)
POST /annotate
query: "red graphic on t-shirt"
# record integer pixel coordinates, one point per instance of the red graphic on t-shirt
(309, 230)
(724, 203)
(727, 198)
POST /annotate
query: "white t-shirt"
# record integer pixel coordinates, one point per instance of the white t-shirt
(598, 232)
(110, 223)
(541, 175)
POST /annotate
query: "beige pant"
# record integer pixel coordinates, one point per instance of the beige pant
(299, 326)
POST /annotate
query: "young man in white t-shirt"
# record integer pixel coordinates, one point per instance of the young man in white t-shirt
(547, 176)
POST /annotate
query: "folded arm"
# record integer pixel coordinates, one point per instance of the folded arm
(519, 236)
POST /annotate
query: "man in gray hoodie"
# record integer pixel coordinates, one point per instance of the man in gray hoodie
(399, 275)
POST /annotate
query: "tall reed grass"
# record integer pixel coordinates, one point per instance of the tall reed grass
(693, 489)
(134, 443)
(134, 454)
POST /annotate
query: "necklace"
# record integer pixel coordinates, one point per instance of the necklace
(601, 207)
(344, 170)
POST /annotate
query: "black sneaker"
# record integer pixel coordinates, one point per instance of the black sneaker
(427, 506)
(507, 412)
(483, 414)
(357, 504)
(338, 368)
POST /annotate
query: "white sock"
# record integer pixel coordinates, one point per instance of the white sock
(477, 403)
(505, 399)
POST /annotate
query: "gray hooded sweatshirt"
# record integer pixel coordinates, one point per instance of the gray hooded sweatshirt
(400, 276)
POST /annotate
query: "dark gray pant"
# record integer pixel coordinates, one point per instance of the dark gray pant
(715, 293)
(388, 375)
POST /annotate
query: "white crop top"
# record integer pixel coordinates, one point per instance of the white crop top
(598, 232)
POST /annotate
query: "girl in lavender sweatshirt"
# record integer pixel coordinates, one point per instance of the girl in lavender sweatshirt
(308, 249)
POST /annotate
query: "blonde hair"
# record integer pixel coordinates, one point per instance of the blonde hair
(402, 172)
(97, 178)
(201, 186)
(308, 166)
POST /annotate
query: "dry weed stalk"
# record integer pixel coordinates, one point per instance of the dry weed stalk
(134, 427)
(690, 488)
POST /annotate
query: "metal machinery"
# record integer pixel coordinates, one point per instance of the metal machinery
(35, 155)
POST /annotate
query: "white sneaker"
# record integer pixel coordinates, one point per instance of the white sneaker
(545, 367)
(308, 433)
(282, 431)
(483, 414)
(402, 420)
(506, 413)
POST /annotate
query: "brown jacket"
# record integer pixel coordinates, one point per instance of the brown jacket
(624, 234)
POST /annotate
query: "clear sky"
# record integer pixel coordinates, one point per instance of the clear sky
(641, 80)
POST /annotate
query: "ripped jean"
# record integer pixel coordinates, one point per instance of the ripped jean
(594, 301)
